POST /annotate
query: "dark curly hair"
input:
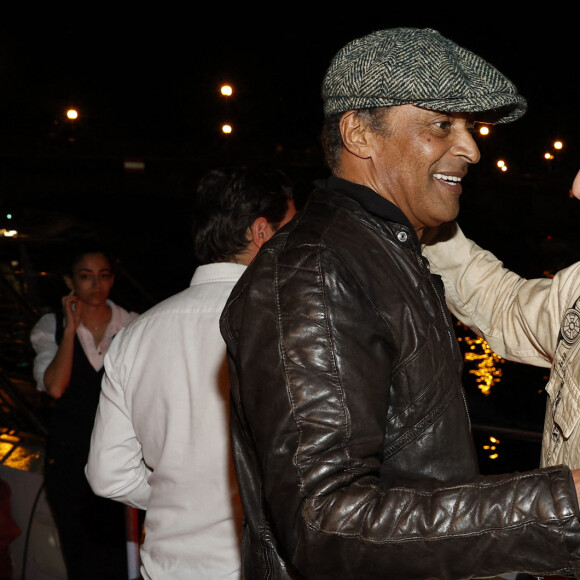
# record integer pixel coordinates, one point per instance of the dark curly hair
(228, 202)
(80, 243)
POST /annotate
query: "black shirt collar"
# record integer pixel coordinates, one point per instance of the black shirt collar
(370, 200)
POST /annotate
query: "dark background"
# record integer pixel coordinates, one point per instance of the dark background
(146, 84)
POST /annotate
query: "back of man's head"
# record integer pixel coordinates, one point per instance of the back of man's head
(227, 203)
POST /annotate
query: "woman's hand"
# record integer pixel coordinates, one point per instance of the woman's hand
(58, 373)
(72, 308)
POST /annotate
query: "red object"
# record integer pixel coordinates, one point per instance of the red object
(133, 542)
(9, 530)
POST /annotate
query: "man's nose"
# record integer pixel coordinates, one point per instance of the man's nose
(466, 147)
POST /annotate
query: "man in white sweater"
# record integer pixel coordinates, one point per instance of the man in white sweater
(161, 435)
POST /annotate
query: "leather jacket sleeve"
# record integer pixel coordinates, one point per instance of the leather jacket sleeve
(311, 383)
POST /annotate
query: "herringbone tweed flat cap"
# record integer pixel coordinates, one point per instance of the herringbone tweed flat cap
(420, 67)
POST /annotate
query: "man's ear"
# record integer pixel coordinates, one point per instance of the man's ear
(354, 134)
(260, 231)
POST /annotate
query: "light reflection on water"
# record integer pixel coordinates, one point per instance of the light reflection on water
(485, 365)
(487, 369)
(21, 452)
(492, 447)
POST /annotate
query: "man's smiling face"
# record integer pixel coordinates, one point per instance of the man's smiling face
(420, 160)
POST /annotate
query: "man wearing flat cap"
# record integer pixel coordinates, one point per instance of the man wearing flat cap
(350, 430)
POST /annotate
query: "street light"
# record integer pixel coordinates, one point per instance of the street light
(226, 90)
(72, 114)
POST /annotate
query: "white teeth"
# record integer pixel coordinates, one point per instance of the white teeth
(448, 178)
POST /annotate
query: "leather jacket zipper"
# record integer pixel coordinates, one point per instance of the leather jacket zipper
(450, 333)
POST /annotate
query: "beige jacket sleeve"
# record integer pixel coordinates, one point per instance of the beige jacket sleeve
(519, 318)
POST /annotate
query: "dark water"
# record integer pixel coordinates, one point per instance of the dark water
(507, 405)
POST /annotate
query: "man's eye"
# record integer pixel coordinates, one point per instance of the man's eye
(445, 125)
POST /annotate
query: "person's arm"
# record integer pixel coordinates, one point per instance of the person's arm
(57, 375)
(519, 318)
(311, 384)
(115, 467)
(43, 341)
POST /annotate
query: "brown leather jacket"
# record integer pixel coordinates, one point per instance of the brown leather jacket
(350, 430)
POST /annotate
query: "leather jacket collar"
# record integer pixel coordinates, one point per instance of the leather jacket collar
(369, 200)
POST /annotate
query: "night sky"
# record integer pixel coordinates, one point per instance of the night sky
(146, 82)
(137, 74)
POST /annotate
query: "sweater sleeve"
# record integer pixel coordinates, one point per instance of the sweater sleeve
(519, 318)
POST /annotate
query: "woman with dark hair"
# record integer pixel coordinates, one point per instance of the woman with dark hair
(70, 348)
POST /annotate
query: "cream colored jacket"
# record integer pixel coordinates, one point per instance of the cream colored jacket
(529, 321)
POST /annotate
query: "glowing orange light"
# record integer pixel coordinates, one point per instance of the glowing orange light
(487, 372)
